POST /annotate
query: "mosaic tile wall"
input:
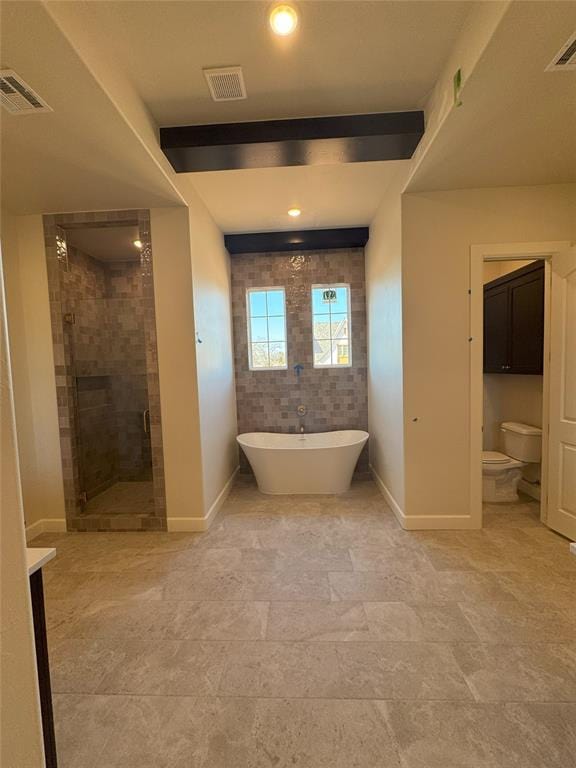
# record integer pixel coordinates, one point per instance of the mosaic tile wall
(335, 398)
(106, 368)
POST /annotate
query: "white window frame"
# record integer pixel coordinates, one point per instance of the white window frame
(325, 286)
(249, 327)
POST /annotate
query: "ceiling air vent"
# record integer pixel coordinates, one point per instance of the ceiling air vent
(17, 96)
(226, 83)
(565, 58)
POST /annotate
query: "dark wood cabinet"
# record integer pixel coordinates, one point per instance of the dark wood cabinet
(514, 321)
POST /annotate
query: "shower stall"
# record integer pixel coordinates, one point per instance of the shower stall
(102, 305)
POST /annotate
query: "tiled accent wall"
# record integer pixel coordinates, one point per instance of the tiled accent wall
(106, 368)
(335, 398)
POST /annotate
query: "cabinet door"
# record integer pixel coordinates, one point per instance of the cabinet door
(527, 323)
(496, 327)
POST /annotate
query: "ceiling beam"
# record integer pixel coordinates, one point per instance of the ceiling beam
(303, 240)
(305, 141)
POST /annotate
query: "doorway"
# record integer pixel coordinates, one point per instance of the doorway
(104, 333)
(558, 465)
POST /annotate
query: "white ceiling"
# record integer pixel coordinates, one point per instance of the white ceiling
(106, 243)
(328, 195)
(81, 156)
(345, 57)
(517, 124)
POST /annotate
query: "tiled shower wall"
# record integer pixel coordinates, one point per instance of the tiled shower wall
(110, 364)
(106, 369)
(335, 398)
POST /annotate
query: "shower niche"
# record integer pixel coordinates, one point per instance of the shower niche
(100, 275)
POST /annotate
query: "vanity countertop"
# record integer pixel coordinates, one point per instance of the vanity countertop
(36, 557)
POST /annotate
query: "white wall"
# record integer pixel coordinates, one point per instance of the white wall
(214, 354)
(30, 331)
(198, 400)
(510, 398)
(494, 269)
(384, 312)
(177, 363)
(21, 741)
(438, 230)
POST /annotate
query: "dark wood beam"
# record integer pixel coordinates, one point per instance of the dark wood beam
(305, 141)
(303, 240)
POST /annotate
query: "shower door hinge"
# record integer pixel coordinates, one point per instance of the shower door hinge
(70, 318)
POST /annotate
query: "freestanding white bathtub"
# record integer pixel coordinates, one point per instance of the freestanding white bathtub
(322, 462)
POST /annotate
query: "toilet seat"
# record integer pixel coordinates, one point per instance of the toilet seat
(494, 457)
(494, 461)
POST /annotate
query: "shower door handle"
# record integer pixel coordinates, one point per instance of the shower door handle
(146, 420)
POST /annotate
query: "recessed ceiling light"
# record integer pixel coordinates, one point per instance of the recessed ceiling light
(294, 212)
(283, 20)
(138, 244)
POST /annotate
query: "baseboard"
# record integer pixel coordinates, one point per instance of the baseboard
(46, 525)
(422, 522)
(203, 523)
(221, 498)
(530, 489)
(390, 500)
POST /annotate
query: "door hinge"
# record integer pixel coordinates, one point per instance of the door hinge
(70, 318)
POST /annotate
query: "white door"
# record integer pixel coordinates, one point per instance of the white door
(562, 434)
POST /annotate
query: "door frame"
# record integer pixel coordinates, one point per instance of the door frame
(503, 252)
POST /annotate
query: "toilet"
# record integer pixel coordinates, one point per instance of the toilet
(501, 472)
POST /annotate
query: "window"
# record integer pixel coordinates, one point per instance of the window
(331, 326)
(266, 310)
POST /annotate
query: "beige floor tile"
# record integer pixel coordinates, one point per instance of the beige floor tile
(498, 672)
(332, 533)
(418, 586)
(456, 586)
(166, 668)
(391, 558)
(299, 733)
(477, 557)
(172, 732)
(61, 617)
(513, 622)
(264, 585)
(83, 726)
(385, 587)
(124, 619)
(225, 640)
(386, 670)
(79, 665)
(546, 587)
(458, 735)
(443, 622)
(282, 670)
(325, 559)
(126, 585)
(219, 537)
(221, 620)
(317, 621)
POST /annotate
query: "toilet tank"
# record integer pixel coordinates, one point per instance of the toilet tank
(522, 441)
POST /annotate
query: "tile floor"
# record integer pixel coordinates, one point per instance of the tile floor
(123, 498)
(305, 632)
